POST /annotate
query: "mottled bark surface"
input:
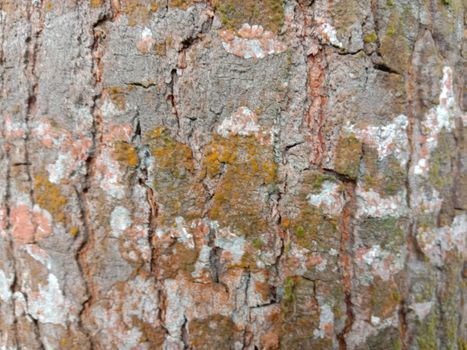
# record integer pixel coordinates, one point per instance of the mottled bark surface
(233, 174)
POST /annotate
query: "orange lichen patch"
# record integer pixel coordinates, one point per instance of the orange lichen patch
(49, 196)
(97, 3)
(179, 192)
(29, 225)
(126, 154)
(182, 4)
(138, 11)
(270, 341)
(244, 166)
(74, 231)
(117, 96)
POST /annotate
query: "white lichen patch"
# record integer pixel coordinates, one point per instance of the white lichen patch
(251, 42)
(147, 41)
(48, 304)
(184, 236)
(6, 280)
(243, 122)
(439, 118)
(39, 254)
(120, 220)
(380, 262)
(372, 204)
(202, 263)
(435, 242)
(72, 151)
(330, 199)
(122, 312)
(232, 244)
(389, 139)
(326, 322)
(327, 33)
(109, 174)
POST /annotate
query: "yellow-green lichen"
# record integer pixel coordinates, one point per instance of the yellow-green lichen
(179, 192)
(427, 338)
(49, 196)
(243, 166)
(74, 231)
(370, 38)
(234, 13)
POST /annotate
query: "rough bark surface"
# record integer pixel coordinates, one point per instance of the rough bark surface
(233, 174)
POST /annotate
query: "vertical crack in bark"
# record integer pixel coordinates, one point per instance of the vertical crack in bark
(346, 228)
(83, 197)
(171, 97)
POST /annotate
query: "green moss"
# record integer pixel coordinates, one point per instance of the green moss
(49, 197)
(427, 337)
(257, 243)
(347, 156)
(234, 13)
(390, 3)
(300, 232)
(446, 2)
(370, 38)
(439, 173)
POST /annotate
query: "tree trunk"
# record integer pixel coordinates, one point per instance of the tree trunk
(233, 174)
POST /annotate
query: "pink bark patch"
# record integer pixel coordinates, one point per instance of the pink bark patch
(29, 225)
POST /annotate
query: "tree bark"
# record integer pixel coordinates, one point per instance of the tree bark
(227, 174)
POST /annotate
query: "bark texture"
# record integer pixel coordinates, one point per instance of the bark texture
(233, 174)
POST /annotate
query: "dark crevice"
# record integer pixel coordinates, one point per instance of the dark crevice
(385, 68)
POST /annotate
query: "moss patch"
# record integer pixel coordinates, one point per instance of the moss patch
(347, 156)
